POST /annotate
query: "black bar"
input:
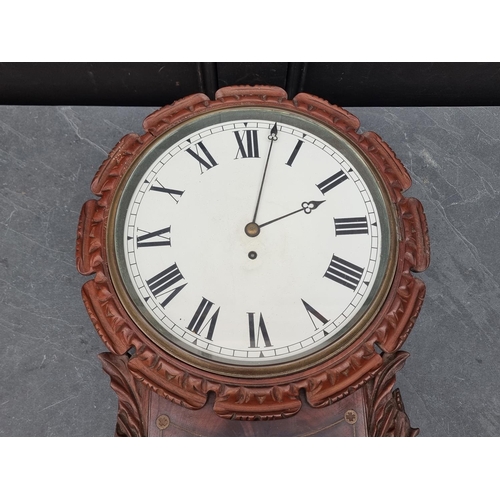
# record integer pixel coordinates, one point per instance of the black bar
(160, 83)
(209, 81)
(295, 78)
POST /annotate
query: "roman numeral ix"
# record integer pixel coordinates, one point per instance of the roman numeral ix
(154, 239)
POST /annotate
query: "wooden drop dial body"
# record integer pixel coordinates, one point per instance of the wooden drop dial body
(344, 389)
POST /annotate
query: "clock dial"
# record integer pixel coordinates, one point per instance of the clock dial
(252, 237)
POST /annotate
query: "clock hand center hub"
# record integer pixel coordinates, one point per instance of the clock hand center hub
(252, 229)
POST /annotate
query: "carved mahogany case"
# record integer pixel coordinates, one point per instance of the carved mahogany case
(252, 261)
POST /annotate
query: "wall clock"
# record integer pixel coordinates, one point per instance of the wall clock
(252, 260)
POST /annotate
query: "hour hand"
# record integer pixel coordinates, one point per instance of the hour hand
(307, 207)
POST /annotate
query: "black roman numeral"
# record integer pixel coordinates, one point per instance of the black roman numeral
(202, 155)
(168, 296)
(312, 312)
(175, 194)
(163, 281)
(350, 225)
(344, 272)
(198, 323)
(251, 149)
(262, 330)
(332, 181)
(296, 149)
(154, 239)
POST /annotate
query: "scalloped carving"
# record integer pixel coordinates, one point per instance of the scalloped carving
(168, 116)
(273, 397)
(336, 114)
(264, 92)
(115, 165)
(393, 168)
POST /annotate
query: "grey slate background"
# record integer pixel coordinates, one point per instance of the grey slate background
(52, 383)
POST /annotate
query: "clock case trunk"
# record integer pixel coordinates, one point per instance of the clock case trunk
(375, 410)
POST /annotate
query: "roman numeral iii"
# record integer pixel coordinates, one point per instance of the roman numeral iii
(351, 225)
(344, 272)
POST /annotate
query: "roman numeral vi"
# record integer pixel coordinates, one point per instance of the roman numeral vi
(261, 330)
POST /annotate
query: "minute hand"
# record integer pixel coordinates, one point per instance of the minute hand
(307, 207)
(273, 136)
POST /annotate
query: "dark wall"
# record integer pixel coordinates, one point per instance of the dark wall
(156, 84)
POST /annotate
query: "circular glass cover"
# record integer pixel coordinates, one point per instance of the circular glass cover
(251, 237)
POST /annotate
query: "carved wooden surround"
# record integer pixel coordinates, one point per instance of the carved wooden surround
(149, 380)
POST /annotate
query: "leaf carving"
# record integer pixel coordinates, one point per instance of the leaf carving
(130, 394)
(386, 415)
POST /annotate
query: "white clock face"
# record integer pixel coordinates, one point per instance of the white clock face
(252, 237)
